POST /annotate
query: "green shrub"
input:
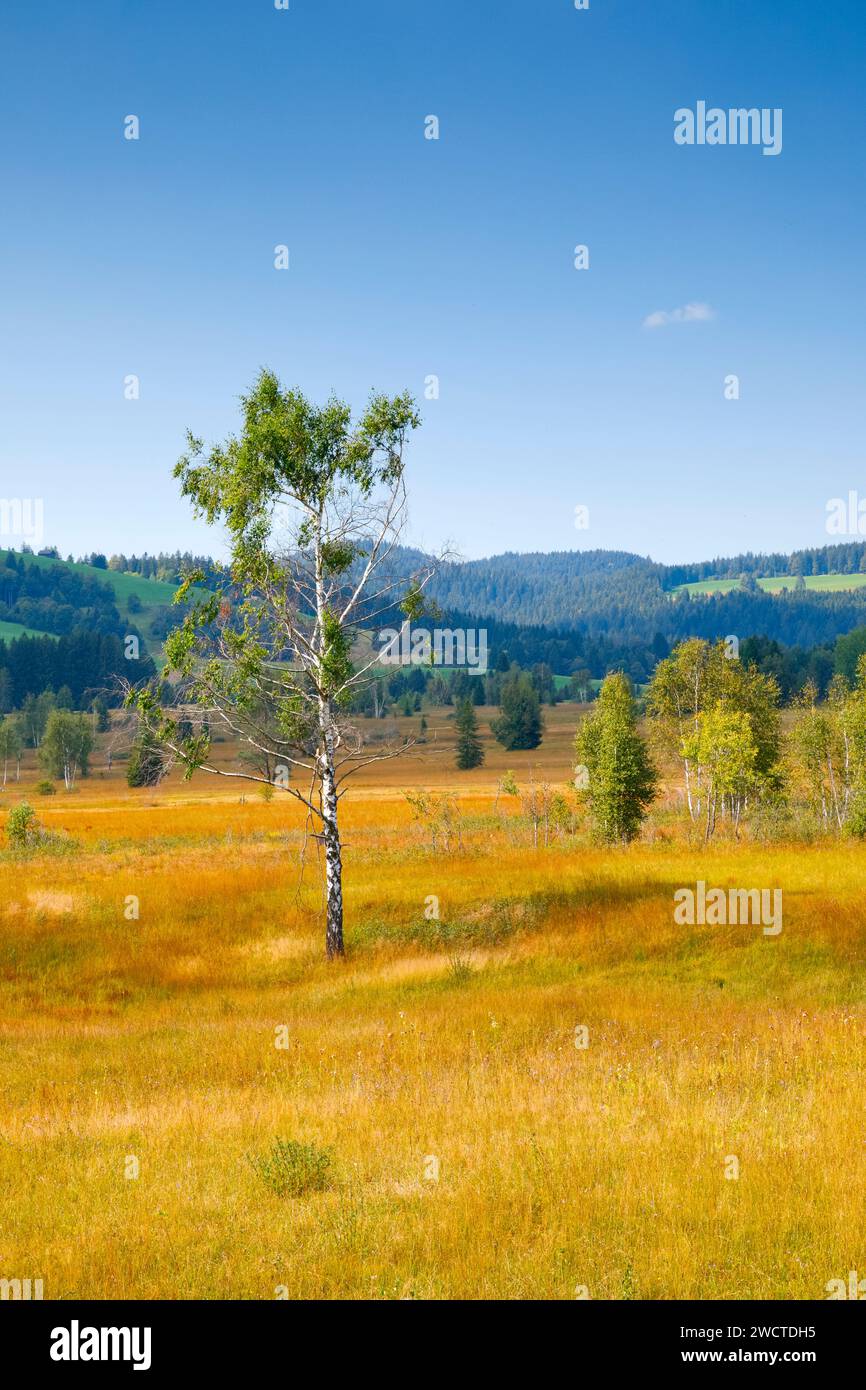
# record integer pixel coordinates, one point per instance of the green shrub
(45, 788)
(290, 1168)
(22, 827)
(857, 819)
(460, 969)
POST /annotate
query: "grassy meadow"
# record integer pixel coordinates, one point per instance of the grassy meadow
(10, 631)
(821, 583)
(152, 594)
(474, 1148)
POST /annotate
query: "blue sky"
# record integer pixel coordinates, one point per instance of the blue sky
(412, 257)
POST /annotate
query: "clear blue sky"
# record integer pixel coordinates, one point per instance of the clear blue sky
(411, 257)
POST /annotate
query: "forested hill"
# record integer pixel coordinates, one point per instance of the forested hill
(592, 609)
(804, 599)
(567, 589)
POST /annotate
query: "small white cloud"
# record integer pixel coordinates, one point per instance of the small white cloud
(690, 313)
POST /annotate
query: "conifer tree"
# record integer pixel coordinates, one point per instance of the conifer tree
(470, 753)
(520, 724)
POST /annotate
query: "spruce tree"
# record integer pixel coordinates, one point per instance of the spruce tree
(520, 724)
(469, 750)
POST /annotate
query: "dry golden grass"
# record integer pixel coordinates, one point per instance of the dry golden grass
(559, 1167)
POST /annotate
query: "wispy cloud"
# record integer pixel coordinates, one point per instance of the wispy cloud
(690, 313)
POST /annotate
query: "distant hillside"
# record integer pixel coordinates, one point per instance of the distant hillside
(567, 610)
(65, 627)
(625, 599)
(42, 594)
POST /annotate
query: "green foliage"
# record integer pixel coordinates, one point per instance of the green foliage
(723, 747)
(22, 826)
(520, 724)
(146, 766)
(288, 445)
(857, 814)
(34, 716)
(828, 752)
(335, 665)
(508, 784)
(622, 779)
(547, 811)
(45, 594)
(337, 556)
(849, 648)
(66, 745)
(705, 704)
(440, 814)
(415, 603)
(291, 1169)
(190, 748)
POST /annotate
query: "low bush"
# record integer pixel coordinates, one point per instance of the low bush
(290, 1168)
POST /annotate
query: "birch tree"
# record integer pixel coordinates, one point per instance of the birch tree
(827, 751)
(66, 745)
(725, 750)
(691, 683)
(622, 781)
(10, 744)
(314, 505)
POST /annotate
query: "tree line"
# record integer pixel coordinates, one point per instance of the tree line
(718, 720)
(83, 664)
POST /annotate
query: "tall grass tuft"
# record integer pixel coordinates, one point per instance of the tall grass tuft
(291, 1169)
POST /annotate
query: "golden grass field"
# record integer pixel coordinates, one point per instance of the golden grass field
(560, 1168)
